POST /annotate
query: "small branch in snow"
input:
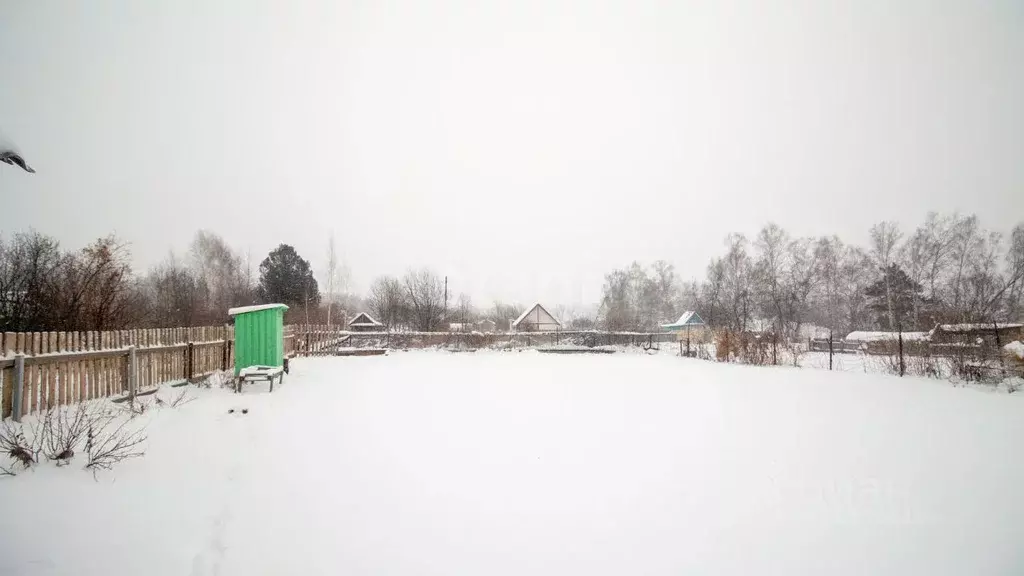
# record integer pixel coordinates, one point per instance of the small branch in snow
(108, 442)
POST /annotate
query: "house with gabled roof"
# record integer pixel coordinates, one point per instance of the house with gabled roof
(363, 322)
(689, 319)
(536, 319)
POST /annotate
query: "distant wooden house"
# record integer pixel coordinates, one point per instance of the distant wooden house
(688, 328)
(486, 326)
(689, 322)
(363, 322)
(987, 334)
(536, 319)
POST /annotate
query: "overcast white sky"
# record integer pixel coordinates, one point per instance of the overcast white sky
(522, 148)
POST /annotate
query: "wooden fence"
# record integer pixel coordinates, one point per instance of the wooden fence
(40, 370)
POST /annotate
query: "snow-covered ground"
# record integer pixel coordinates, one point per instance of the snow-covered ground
(525, 463)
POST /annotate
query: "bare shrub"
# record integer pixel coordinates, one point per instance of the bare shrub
(135, 407)
(182, 398)
(723, 345)
(23, 448)
(927, 366)
(65, 429)
(109, 441)
(796, 352)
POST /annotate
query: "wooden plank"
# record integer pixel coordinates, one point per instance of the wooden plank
(67, 395)
(105, 377)
(7, 400)
(6, 391)
(32, 390)
(80, 381)
(62, 370)
(7, 397)
(52, 373)
(97, 376)
(88, 381)
(119, 373)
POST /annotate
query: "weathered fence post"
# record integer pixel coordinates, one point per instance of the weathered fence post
(903, 366)
(133, 373)
(188, 361)
(830, 349)
(19, 385)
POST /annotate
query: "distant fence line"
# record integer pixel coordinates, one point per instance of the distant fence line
(323, 340)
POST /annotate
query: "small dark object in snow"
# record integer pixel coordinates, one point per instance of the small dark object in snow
(245, 410)
(21, 455)
(65, 457)
(231, 411)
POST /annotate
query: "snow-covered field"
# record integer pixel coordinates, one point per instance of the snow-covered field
(524, 463)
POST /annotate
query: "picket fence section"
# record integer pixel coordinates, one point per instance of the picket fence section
(60, 368)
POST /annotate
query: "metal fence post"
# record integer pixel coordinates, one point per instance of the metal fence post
(19, 385)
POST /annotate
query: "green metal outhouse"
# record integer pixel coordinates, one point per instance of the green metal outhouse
(259, 335)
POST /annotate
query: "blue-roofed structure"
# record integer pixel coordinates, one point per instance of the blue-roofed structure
(689, 319)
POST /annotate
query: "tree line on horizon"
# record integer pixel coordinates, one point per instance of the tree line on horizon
(948, 269)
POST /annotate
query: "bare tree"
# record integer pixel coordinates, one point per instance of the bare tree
(885, 238)
(222, 274)
(175, 295)
(388, 301)
(28, 282)
(770, 267)
(425, 293)
(737, 273)
(464, 308)
(332, 275)
(1014, 285)
(501, 313)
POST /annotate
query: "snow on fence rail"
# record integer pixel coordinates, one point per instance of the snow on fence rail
(41, 370)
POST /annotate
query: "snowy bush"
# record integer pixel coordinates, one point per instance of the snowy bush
(182, 398)
(20, 448)
(64, 430)
(58, 434)
(109, 441)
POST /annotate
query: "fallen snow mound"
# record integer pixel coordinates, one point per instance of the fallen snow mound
(1016, 348)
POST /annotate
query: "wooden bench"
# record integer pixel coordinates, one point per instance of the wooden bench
(259, 374)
